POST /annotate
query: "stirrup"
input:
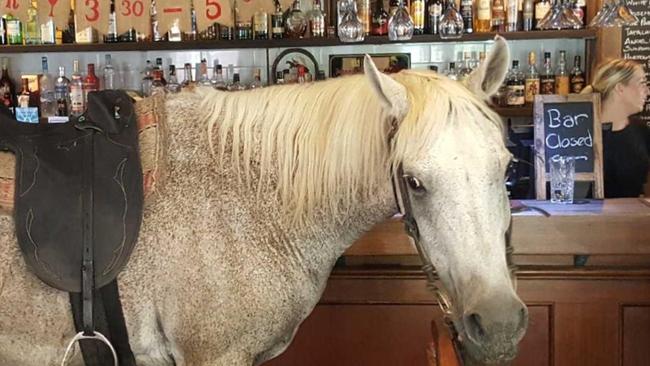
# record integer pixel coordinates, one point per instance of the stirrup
(96, 336)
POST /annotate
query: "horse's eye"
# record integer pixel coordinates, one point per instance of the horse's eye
(414, 183)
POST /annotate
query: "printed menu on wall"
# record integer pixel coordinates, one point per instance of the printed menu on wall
(636, 42)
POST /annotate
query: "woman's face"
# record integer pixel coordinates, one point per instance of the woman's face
(636, 91)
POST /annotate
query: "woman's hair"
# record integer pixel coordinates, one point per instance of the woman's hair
(609, 74)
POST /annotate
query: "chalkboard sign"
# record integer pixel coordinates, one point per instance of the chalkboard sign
(569, 126)
(636, 43)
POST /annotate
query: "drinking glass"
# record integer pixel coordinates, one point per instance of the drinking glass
(561, 16)
(562, 179)
(451, 22)
(350, 28)
(400, 25)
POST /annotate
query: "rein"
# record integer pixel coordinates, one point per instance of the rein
(403, 201)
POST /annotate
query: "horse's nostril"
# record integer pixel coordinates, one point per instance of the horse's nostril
(475, 329)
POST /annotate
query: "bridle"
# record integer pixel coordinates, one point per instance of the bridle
(403, 202)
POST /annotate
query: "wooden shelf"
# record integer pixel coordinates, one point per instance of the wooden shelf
(285, 43)
(524, 111)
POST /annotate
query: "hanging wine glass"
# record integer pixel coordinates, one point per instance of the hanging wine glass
(626, 14)
(400, 25)
(350, 29)
(561, 16)
(451, 22)
(602, 13)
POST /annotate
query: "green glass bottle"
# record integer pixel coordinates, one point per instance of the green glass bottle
(31, 29)
(14, 30)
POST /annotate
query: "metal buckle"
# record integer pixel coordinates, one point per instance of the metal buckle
(96, 336)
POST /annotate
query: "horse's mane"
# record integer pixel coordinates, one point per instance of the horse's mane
(325, 145)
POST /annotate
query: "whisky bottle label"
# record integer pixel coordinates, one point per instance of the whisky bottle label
(483, 10)
(532, 89)
(516, 95)
(562, 85)
(547, 86)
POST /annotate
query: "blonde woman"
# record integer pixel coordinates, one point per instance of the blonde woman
(626, 144)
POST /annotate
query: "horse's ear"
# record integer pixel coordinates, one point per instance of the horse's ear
(488, 77)
(391, 93)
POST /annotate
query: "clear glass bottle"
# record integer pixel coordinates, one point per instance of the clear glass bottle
(175, 34)
(528, 15)
(155, 28)
(62, 94)
(48, 32)
(451, 71)
(532, 78)
(277, 22)
(483, 14)
(350, 29)
(31, 28)
(236, 84)
(465, 67)
(379, 20)
(451, 22)
(109, 74)
(157, 86)
(257, 79)
(296, 22)
(417, 16)
(218, 82)
(47, 94)
(434, 12)
(203, 78)
(516, 85)
(577, 77)
(172, 82)
(261, 25)
(3, 32)
(317, 21)
(547, 79)
(562, 76)
(111, 30)
(466, 12)
(147, 79)
(187, 76)
(77, 101)
(400, 25)
(279, 78)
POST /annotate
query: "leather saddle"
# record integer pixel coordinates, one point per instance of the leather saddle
(79, 192)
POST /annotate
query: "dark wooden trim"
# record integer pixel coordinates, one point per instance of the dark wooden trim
(524, 111)
(283, 43)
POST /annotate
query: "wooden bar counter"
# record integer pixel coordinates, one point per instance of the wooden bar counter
(584, 272)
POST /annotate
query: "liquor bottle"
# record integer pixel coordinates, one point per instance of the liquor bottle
(49, 32)
(541, 9)
(187, 76)
(364, 12)
(516, 86)
(159, 66)
(257, 80)
(77, 101)
(434, 12)
(31, 28)
(466, 12)
(203, 78)
(451, 71)
(217, 77)
(109, 74)
(260, 25)
(7, 87)
(528, 15)
(174, 34)
(279, 78)
(155, 29)
(62, 93)
(511, 15)
(14, 30)
(483, 21)
(277, 21)
(296, 22)
(25, 95)
(157, 87)
(532, 78)
(172, 83)
(465, 68)
(417, 14)
(236, 84)
(47, 93)
(577, 77)
(3, 31)
(69, 33)
(498, 16)
(111, 32)
(317, 20)
(547, 79)
(147, 79)
(91, 82)
(379, 20)
(562, 76)
(193, 25)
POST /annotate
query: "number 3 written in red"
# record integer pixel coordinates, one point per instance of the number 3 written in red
(212, 9)
(94, 8)
(11, 4)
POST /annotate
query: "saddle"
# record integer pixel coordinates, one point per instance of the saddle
(79, 192)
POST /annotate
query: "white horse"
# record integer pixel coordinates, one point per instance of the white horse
(265, 189)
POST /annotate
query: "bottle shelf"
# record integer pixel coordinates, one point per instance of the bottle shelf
(523, 111)
(288, 42)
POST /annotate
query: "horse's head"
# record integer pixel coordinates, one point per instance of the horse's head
(452, 150)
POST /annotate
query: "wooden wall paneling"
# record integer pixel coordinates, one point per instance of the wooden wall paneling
(536, 349)
(636, 333)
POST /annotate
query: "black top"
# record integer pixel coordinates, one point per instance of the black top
(626, 160)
